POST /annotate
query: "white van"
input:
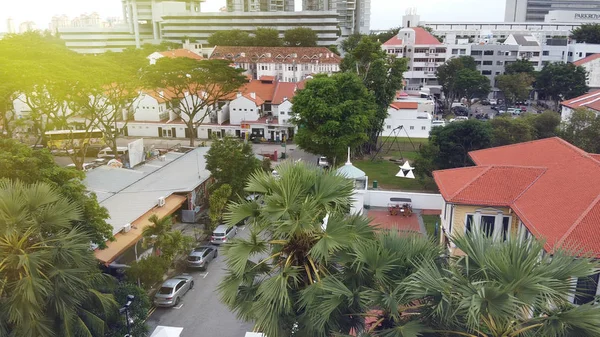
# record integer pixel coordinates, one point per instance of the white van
(108, 153)
(438, 123)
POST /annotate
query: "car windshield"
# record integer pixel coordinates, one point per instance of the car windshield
(218, 234)
(165, 290)
(199, 250)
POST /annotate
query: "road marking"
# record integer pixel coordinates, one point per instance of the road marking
(150, 312)
(204, 275)
(178, 307)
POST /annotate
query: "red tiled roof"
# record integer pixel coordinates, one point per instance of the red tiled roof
(586, 59)
(180, 53)
(394, 41)
(256, 99)
(595, 156)
(283, 91)
(400, 94)
(160, 95)
(404, 105)
(559, 205)
(276, 54)
(422, 36)
(265, 78)
(590, 100)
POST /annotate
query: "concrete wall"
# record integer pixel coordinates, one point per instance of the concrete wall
(283, 112)
(147, 108)
(242, 109)
(419, 200)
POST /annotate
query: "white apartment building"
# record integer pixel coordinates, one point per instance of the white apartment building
(285, 64)
(578, 51)
(424, 53)
(592, 67)
(404, 119)
(589, 101)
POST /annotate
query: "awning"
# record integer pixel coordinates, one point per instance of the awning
(166, 331)
(123, 241)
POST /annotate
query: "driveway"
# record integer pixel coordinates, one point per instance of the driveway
(201, 312)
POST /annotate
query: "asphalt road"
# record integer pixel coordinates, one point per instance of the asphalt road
(201, 313)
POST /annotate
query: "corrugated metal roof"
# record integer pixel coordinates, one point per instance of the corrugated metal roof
(128, 194)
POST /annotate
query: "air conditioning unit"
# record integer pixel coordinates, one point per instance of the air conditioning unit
(126, 228)
(161, 202)
(162, 157)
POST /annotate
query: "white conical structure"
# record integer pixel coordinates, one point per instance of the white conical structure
(406, 171)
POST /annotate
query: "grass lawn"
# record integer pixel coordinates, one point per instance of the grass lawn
(384, 171)
(430, 221)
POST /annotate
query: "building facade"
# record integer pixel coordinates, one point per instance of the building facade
(536, 10)
(260, 5)
(492, 58)
(354, 15)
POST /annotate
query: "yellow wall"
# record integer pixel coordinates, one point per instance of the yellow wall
(461, 211)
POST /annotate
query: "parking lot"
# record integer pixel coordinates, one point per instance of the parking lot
(201, 312)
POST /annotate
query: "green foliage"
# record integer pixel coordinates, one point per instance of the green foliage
(519, 66)
(267, 37)
(300, 37)
(471, 84)
(149, 271)
(288, 248)
(231, 162)
(456, 140)
(384, 36)
(381, 75)
(266, 164)
(332, 114)
(506, 130)
(209, 81)
(49, 279)
(233, 37)
(20, 162)
(516, 87)
(217, 202)
(138, 311)
(587, 33)
(545, 124)
(562, 81)
(166, 242)
(448, 75)
(583, 130)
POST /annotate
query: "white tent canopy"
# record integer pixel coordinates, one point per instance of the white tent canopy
(166, 331)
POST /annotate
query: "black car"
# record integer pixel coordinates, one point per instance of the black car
(460, 111)
(485, 102)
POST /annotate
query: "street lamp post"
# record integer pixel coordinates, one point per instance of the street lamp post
(125, 310)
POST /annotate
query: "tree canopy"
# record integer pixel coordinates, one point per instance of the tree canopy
(471, 84)
(562, 81)
(454, 82)
(332, 114)
(587, 33)
(232, 37)
(516, 86)
(519, 66)
(231, 162)
(300, 37)
(583, 130)
(267, 37)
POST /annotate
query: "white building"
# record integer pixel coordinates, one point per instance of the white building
(592, 67)
(246, 108)
(404, 120)
(424, 53)
(286, 64)
(182, 52)
(578, 51)
(151, 106)
(589, 101)
(539, 10)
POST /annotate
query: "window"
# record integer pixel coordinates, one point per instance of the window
(423, 128)
(488, 52)
(488, 225)
(282, 113)
(463, 51)
(486, 72)
(475, 52)
(454, 51)
(488, 63)
(499, 63)
(546, 53)
(389, 127)
(586, 289)
(570, 53)
(536, 53)
(412, 127)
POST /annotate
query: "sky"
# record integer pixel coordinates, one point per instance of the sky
(384, 13)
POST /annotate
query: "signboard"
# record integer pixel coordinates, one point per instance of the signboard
(245, 126)
(136, 152)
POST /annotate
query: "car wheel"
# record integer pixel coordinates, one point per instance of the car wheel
(216, 253)
(177, 301)
(192, 282)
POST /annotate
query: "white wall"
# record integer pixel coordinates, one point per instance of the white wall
(147, 108)
(187, 103)
(413, 126)
(593, 70)
(419, 200)
(283, 112)
(243, 109)
(577, 51)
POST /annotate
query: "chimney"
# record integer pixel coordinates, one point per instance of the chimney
(239, 94)
(242, 54)
(253, 95)
(161, 93)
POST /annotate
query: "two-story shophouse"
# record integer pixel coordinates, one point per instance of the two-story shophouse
(546, 188)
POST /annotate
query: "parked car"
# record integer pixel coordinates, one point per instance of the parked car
(201, 256)
(322, 162)
(86, 166)
(514, 111)
(461, 118)
(222, 234)
(485, 102)
(460, 111)
(108, 152)
(437, 123)
(493, 101)
(172, 290)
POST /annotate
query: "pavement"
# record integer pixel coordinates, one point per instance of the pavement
(201, 312)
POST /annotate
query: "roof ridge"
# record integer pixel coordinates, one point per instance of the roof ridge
(578, 221)
(544, 170)
(517, 144)
(471, 181)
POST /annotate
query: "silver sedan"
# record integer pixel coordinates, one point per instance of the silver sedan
(172, 290)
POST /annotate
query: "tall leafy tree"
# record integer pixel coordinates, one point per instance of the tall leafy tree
(300, 37)
(587, 33)
(448, 73)
(545, 124)
(506, 130)
(384, 36)
(471, 84)
(290, 245)
(231, 162)
(166, 242)
(233, 37)
(519, 66)
(197, 86)
(562, 81)
(516, 87)
(583, 130)
(19, 162)
(506, 288)
(381, 75)
(332, 114)
(267, 37)
(49, 281)
(217, 201)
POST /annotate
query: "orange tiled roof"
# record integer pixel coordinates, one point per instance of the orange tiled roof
(394, 41)
(256, 99)
(276, 54)
(283, 91)
(422, 36)
(586, 59)
(591, 100)
(180, 53)
(558, 189)
(404, 105)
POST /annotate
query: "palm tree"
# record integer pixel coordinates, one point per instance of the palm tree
(165, 241)
(49, 279)
(505, 289)
(290, 246)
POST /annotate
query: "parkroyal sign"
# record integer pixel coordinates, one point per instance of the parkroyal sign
(587, 16)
